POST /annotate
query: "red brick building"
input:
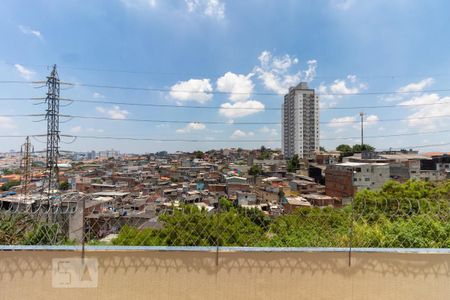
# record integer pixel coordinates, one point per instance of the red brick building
(339, 183)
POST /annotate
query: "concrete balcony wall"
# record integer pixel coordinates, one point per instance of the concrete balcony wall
(247, 274)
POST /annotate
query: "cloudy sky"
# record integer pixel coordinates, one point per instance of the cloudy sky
(233, 58)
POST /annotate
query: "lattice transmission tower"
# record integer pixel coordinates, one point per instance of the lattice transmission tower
(25, 165)
(52, 117)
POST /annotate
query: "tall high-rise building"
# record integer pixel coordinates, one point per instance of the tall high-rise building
(300, 122)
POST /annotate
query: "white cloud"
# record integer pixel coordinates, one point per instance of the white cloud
(136, 4)
(95, 130)
(98, 95)
(342, 87)
(330, 94)
(198, 90)
(342, 122)
(412, 88)
(24, 72)
(310, 73)
(191, 127)
(353, 122)
(269, 131)
(115, 112)
(210, 8)
(28, 31)
(239, 86)
(273, 71)
(416, 86)
(343, 4)
(237, 134)
(371, 120)
(422, 116)
(275, 75)
(241, 109)
(75, 129)
(7, 123)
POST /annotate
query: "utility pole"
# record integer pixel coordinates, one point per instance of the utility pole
(52, 117)
(361, 114)
(25, 165)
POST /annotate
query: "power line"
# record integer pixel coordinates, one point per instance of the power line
(227, 93)
(18, 136)
(248, 108)
(16, 82)
(238, 123)
(420, 146)
(247, 140)
(222, 140)
(211, 122)
(154, 72)
(215, 107)
(254, 93)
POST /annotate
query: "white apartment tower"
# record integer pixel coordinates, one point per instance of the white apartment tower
(300, 122)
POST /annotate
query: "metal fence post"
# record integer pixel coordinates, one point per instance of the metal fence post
(217, 231)
(351, 234)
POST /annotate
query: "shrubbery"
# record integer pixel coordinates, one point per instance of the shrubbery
(415, 214)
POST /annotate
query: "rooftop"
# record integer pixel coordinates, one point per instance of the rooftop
(111, 194)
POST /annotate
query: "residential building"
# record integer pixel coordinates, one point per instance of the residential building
(345, 179)
(290, 204)
(300, 122)
(406, 165)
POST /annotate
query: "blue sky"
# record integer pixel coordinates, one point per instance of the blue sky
(247, 53)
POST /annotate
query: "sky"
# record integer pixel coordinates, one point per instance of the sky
(236, 59)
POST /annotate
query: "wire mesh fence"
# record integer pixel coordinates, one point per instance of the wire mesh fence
(412, 215)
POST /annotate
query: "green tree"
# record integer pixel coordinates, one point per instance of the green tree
(6, 186)
(293, 164)
(255, 170)
(199, 154)
(38, 164)
(44, 234)
(225, 204)
(193, 227)
(7, 172)
(344, 148)
(265, 153)
(64, 186)
(357, 148)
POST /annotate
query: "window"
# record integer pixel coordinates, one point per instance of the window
(367, 179)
